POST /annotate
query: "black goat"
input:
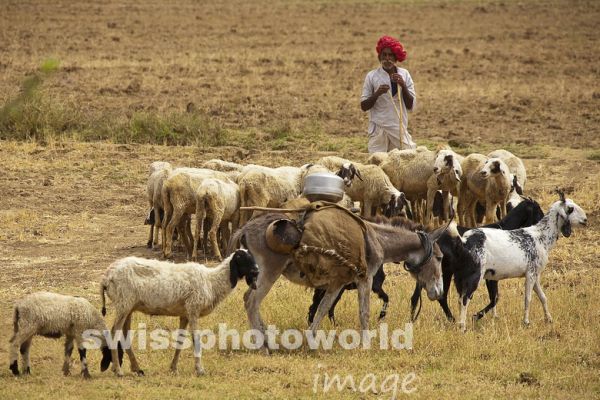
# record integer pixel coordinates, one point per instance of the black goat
(458, 262)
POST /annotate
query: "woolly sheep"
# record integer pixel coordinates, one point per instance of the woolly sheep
(486, 180)
(270, 187)
(53, 315)
(412, 172)
(159, 171)
(372, 189)
(221, 165)
(188, 291)
(179, 203)
(220, 201)
(517, 168)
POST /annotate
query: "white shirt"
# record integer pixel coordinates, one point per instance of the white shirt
(383, 114)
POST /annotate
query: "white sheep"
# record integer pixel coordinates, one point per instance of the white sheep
(159, 171)
(413, 172)
(519, 253)
(517, 168)
(188, 291)
(270, 187)
(380, 157)
(179, 203)
(373, 188)
(53, 315)
(222, 165)
(485, 180)
(219, 201)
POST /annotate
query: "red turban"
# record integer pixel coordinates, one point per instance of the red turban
(395, 45)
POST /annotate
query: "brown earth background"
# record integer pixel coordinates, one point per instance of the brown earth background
(282, 80)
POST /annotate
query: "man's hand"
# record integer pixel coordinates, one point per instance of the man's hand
(381, 90)
(395, 77)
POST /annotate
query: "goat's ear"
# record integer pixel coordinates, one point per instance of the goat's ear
(566, 228)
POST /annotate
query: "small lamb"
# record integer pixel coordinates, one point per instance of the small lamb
(188, 291)
(53, 315)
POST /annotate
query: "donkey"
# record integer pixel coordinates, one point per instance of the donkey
(383, 243)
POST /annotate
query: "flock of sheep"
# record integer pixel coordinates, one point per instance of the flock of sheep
(420, 184)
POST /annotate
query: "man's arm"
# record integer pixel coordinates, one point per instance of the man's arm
(367, 104)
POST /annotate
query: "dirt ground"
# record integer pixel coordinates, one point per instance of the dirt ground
(501, 74)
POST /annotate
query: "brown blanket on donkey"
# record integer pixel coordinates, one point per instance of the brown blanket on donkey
(332, 248)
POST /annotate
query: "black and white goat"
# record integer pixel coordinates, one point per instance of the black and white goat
(459, 263)
(502, 254)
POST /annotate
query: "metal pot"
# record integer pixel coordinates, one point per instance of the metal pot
(323, 186)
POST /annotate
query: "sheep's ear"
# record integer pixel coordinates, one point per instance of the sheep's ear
(234, 271)
(356, 172)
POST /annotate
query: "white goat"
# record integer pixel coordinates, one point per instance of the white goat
(521, 252)
(53, 315)
(188, 291)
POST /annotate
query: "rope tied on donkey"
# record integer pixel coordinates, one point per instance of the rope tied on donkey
(333, 244)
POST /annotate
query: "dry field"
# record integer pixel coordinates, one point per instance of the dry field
(283, 79)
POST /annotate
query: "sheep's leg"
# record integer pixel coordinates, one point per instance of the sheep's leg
(183, 323)
(490, 213)
(366, 210)
(168, 233)
(118, 326)
(212, 234)
(325, 305)
(83, 358)
(197, 347)
(17, 343)
(492, 287)
(68, 352)
(364, 299)
(529, 281)
(540, 294)
(135, 367)
(150, 237)
(429, 206)
(25, 347)
(157, 225)
(199, 230)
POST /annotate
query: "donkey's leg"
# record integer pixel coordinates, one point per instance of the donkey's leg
(330, 295)
(364, 299)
